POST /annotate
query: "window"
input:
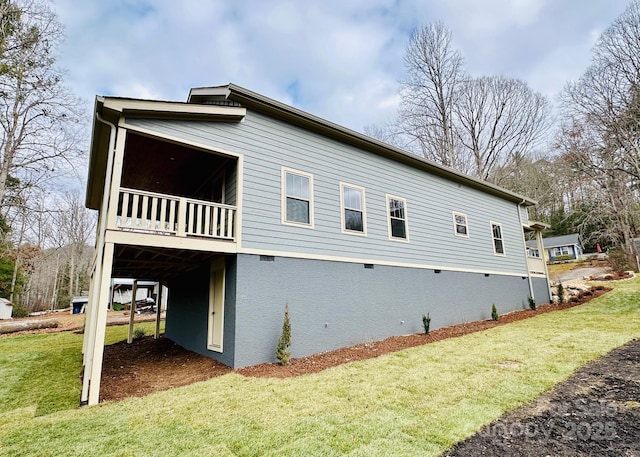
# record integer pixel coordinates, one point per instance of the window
(533, 252)
(397, 218)
(460, 226)
(297, 198)
(353, 209)
(563, 250)
(496, 232)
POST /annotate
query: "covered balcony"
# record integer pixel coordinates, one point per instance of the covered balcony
(171, 191)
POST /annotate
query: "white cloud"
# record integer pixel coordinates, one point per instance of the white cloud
(337, 59)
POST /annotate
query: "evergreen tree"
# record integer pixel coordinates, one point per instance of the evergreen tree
(284, 343)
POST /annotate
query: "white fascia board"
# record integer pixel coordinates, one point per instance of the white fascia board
(171, 108)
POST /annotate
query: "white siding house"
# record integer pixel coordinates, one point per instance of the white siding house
(6, 308)
(241, 205)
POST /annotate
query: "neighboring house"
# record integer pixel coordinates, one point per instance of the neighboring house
(558, 248)
(122, 291)
(242, 205)
(79, 304)
(6, 308)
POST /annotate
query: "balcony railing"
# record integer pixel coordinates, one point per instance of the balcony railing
(149, 212)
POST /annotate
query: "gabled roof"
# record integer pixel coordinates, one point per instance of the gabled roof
(564, 240)
(228, 104)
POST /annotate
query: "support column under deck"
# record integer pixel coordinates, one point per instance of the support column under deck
(132, 311)
(95, 349)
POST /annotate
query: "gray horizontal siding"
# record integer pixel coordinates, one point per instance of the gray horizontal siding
(268, 145)
(524, 214)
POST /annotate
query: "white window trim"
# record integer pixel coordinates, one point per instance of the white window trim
(342, 210)
(406, 218)
(283, 198)
(466, 224)
(493, 243)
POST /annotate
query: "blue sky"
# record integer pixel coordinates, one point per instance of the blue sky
(337, 59)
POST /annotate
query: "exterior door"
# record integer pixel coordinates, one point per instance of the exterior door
(216, 306)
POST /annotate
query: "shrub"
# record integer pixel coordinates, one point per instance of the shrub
(138, 333)
(494, 312)
(619, 261)
(532, 303)
(284, 343)
(19, 311)
(426, 322)
(563, 258)
(574, 299)
(560, 293)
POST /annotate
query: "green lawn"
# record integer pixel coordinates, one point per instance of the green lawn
(415, 402)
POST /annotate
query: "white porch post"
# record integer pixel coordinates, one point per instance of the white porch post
(101, 324)
(132, 312)
(540, 244)
(159, 299)
(95, 321)
(90, 330)
(182, 217)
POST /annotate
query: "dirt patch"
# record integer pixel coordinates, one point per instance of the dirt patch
(594, 412)
(147, 365)
(150, 365)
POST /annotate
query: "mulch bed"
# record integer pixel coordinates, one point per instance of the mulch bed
(149, 365)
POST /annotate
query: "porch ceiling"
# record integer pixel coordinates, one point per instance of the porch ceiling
(157, 264)
(160, 166)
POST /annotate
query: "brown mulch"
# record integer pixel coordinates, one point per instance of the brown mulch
(148, 365)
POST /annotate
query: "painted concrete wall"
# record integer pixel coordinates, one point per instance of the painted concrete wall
(336, 304)
(268, 145)
(541, 290)
(187, 313)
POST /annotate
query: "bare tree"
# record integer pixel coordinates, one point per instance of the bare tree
(475, 125)
(76, 225)
(39, 117)
(498, 119)
(428, 95)
(601, 127)
(541, 177)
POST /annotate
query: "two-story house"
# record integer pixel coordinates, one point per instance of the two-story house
(242, 205)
